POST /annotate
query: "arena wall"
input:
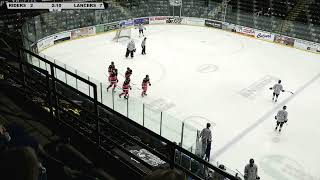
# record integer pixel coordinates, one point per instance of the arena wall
(102, 28)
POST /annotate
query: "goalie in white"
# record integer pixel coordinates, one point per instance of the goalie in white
(131, 48)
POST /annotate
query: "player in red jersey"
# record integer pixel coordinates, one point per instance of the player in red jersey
(110, 69)
(125, 87)
(113, 79)
(128, 73)
(145, 83)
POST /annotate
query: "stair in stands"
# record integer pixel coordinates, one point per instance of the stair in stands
(299, 8)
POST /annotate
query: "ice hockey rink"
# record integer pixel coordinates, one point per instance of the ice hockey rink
(209, 75)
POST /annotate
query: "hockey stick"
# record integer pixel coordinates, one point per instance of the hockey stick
(240, 173)
(125, 78)
(283, 91)
(289, 92)
(131, 83)
(106, 75)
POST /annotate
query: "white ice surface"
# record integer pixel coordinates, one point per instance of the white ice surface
(178, 58)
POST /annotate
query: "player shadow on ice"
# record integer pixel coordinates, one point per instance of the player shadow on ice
(276, 139)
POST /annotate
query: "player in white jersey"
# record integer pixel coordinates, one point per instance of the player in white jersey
(141, 28)
(131, 48)
(277, 88)
(281, 117)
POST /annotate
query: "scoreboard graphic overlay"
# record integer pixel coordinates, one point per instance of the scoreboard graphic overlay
(56, 6)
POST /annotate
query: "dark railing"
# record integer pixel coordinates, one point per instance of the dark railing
(104, 127)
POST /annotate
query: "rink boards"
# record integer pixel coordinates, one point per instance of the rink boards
(154, 20)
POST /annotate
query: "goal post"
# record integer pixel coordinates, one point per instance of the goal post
(122, 32)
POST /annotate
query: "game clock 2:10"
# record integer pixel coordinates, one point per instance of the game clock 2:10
(56, 5)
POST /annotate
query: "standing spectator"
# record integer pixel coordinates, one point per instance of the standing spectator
(205, 136)
(143, 45)
(251, 171)
(131, 48)
(208, 149)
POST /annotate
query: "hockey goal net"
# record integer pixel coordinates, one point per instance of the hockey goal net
(122, 33)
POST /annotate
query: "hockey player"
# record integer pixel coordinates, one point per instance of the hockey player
(277, 88)
(281, 117)
(143, 46)
(141, 28)
(113, 80)
(131, 48)
(110, 69)
(128, 73)
(145, 83)
(125, 87)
